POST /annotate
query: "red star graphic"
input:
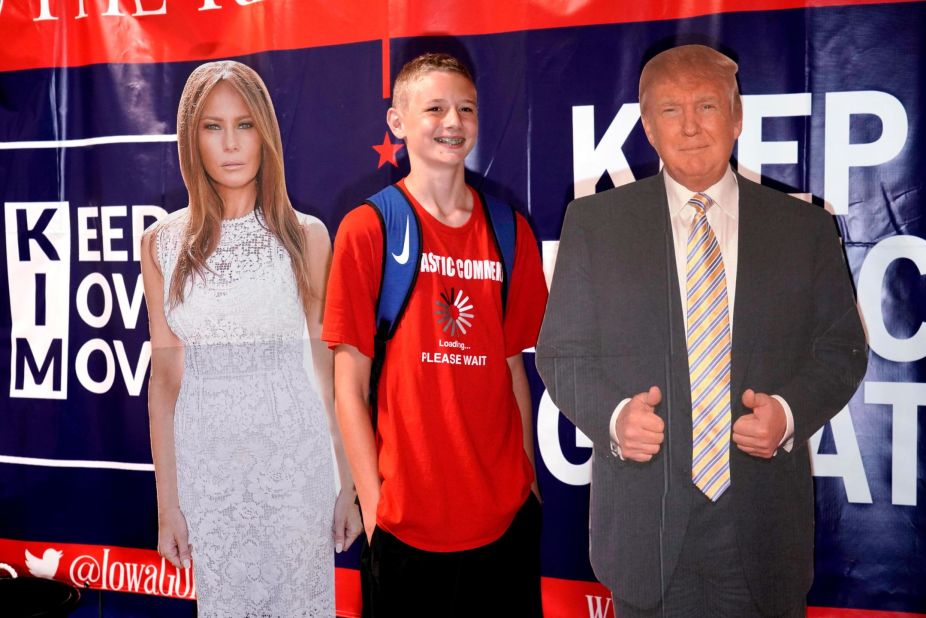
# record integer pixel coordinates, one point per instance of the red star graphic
(387, 151)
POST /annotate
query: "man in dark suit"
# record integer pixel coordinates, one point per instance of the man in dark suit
(701, 497)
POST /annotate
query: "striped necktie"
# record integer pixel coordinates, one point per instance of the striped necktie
(708, 338)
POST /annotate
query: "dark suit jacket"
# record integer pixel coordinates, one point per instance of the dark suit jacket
(614, 327)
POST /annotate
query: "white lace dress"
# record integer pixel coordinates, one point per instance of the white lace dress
(254, 465)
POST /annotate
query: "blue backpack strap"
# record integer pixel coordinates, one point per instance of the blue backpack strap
(401, 258)
(503, 224)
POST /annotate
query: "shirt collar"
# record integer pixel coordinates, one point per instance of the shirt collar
(725, 193)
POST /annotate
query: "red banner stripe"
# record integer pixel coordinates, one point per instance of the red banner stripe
(119, 569)
(143, 571)
(63, 37)
(842, 612)
(347, 593)
(457, 17)
(70, 33)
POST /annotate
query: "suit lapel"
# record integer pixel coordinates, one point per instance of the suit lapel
(676, 334)
(667, 295)
(753, 257)
(655, 208)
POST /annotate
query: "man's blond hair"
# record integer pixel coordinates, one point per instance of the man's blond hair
(691, 62)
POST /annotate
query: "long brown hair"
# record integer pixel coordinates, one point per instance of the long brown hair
(205, 211)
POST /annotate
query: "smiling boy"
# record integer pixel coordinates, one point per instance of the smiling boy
(445, 477)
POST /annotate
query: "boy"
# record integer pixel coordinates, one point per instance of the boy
(446, 479)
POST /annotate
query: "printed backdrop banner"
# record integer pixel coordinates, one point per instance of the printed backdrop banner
(88, 98)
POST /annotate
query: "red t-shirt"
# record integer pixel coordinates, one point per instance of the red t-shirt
(449, 439)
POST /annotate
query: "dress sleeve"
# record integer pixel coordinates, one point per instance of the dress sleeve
(353, 285)
(168, 234)
(527, 293)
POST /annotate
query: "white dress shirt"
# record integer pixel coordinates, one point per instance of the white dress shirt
(723, 217)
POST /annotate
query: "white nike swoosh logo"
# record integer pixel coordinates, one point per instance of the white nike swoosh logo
(402, 258)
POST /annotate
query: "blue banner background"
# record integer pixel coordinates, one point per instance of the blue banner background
(331, 111)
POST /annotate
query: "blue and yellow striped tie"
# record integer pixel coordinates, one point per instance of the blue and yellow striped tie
(708, 355)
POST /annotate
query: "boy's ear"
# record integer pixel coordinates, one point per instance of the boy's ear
(394, 122)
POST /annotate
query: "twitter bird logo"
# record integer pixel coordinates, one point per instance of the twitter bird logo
(46, 566)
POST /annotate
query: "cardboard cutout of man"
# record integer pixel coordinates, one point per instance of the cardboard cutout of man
(700, 329)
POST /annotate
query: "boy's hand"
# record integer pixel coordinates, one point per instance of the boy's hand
(352, 407)
(347, 525)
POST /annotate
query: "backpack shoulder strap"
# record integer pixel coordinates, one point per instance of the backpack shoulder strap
(503, 224)
(401, 255)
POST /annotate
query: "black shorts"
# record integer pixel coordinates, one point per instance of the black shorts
(498, 579)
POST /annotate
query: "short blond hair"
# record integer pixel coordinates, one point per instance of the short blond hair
(691, 61)
(422, 65)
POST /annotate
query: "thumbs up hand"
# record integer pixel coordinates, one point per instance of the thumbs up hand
(640, 431)
(760, 433)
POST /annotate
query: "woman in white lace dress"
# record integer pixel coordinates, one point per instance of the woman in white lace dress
(240, 404)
